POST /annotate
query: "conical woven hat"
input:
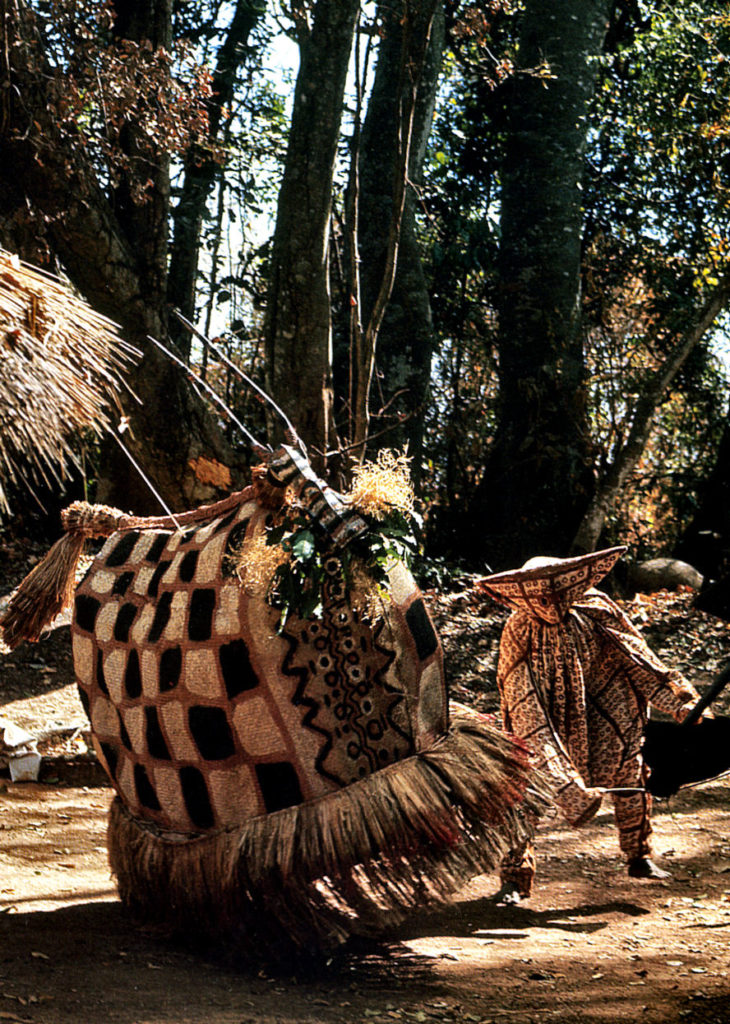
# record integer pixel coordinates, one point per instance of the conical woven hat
(547, 587)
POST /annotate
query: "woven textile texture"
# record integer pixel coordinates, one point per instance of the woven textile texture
(204, 716)
(286, 785)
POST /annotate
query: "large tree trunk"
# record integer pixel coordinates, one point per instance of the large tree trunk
(406, 338)
(706, 541)
(538, 477)
(298, 323)
(144, 223)
(112, 259)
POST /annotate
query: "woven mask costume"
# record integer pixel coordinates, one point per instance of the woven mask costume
(576, 680)
(291, 787)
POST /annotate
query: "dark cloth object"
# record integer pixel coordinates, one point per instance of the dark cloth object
(714, 598)
(678, 755)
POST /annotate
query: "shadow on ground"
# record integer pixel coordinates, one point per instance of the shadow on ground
(483, 918)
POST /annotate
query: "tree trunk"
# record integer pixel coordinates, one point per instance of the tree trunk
(298, 325)
(626, 460)
(706, 541)
(538, 477)
(406, 339)
(144, 223)
(202, 171)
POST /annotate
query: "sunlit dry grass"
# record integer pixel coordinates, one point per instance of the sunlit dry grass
(381, 486)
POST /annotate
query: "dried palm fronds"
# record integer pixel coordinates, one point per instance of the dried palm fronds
(61, 367)
(50, 585)
(367, 597)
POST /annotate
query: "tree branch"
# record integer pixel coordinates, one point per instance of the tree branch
(416, 29)
(628, 455)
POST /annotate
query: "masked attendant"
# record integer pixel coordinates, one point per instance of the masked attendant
(576, 680)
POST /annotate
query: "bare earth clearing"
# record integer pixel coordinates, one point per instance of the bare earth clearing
(591, 945)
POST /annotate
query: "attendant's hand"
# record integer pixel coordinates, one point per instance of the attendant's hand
(593, 799)
(687, 708)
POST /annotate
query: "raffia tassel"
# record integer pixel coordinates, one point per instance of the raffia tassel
(44, 592)
(49, 587)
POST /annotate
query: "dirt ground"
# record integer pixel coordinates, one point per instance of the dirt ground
(590, 946)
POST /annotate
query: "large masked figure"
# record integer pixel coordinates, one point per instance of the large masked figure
(286, 777)
(576, 680)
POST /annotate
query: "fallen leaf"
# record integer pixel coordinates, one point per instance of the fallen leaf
(210, 471)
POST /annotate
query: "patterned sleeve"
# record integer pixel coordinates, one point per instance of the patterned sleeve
(664, 688)
(524, 715)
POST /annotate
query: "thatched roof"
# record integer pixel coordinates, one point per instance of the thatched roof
(61, 368)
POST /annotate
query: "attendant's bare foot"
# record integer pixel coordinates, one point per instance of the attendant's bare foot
(644, 867)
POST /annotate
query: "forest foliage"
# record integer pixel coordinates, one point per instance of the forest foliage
(334, 191)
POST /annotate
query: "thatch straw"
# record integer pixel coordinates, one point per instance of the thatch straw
(356, 862)
(60, 371)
